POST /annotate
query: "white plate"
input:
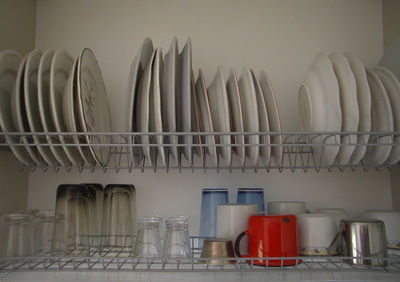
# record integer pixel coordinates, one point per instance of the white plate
(61, 65)
(168, 98)
(184, 98)
(206, 121)
(199, 150)
(19, 113)
(9, 63)
(44, 107)
(219, 107)
(364, 105)
(156, 124)
(265, 151)
(70, 114)
(236, 109)
(381, 120)
(92, 105)
(32, 108)
(250, 116)
(143, 107)
(273, 117)
(136, 70)
(348, 105)
(392, 87)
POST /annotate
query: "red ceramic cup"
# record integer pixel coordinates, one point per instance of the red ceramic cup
(271, 236)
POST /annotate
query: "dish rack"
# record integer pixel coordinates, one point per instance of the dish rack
(297, 147)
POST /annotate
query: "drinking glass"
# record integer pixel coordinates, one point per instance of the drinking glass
(119, 218)
(96, 196)
(44, 227)
(148, 243)
(71, 232)
(177, 241)
(210, 199)
(252, 196)
(19, 231)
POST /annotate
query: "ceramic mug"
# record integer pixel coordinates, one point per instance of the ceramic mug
(287, 207)
(317, 233)
(271, 236)
(232, 220)
(336, 213)
(392, 225)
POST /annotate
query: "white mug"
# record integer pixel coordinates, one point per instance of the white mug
(336, 213)
(287, 207)
(392, 225)
(316, 233)
(232, 220)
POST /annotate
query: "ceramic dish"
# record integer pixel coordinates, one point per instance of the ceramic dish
(381, 120)
(348, 105)
(236, 109)
(137, 67)
(265, 140)
(250, 116)
(142, 110)
(70, 114)
(206, 121)
(19, 113)
(273, 117)
(184, 98)
(392, 87)
(156, 124)
(61, 65)
(9, 64)
(44, 108)
(32, 108)
(220, 114)
(199, 150)
(364, 106)
(168, 99)
(92, 105)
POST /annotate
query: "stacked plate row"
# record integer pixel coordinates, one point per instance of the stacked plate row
(51, 92)
(340, 94)
(165, 95)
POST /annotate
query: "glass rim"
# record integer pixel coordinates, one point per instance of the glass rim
(215, 190)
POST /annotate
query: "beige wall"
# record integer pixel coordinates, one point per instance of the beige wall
(391, 21)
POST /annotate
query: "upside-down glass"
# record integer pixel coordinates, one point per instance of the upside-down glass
(119, 219)
(210, 199)
(177, 241)
(19, 230)
(44, 228)
(148, 243)
(96, 196)
(71, 233)
(252, 196)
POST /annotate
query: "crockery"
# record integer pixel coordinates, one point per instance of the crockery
(336, 213)
(198, 140)
(392, 225)
(217, 248)
(286, 207)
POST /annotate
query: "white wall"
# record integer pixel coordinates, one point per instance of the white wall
(279, 36)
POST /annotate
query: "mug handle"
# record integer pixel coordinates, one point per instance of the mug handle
(237, 242)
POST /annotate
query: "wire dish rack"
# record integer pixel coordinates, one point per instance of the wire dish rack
(289, 150)
(120, 259)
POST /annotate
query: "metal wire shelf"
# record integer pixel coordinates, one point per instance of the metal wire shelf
(298, 150)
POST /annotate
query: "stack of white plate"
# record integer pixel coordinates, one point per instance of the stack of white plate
(165, 97)
(340, 94)
(50, 92)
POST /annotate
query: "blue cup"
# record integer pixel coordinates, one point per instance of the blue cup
(252, 196)
(211, 198)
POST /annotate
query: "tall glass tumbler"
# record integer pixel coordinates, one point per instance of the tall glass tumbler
(177, 241)
(119, 219)
(19, 239)
(96, 196)
(44, 228)
(71, 231)
(210, 199)
(252, 196)
(148, 243)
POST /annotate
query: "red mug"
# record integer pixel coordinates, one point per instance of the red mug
(271, 236)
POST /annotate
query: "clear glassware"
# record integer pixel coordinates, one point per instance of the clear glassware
(177, 241)
(71, 231)
(96, 196)
(19, 239)
(44, 228)
(252, 196)
(148, 243)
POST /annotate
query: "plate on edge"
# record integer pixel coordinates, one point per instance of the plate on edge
(199, 150)
(236, 109)
(206, 122)
(364, 106)
(9, 65)
(273, 117)
(381, 120)
(44, 108)
(219, 107)
(136, 71)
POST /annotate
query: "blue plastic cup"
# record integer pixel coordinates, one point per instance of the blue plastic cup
(252, 196)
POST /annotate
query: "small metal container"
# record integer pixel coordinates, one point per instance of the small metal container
(217, 248)
(365, 241)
